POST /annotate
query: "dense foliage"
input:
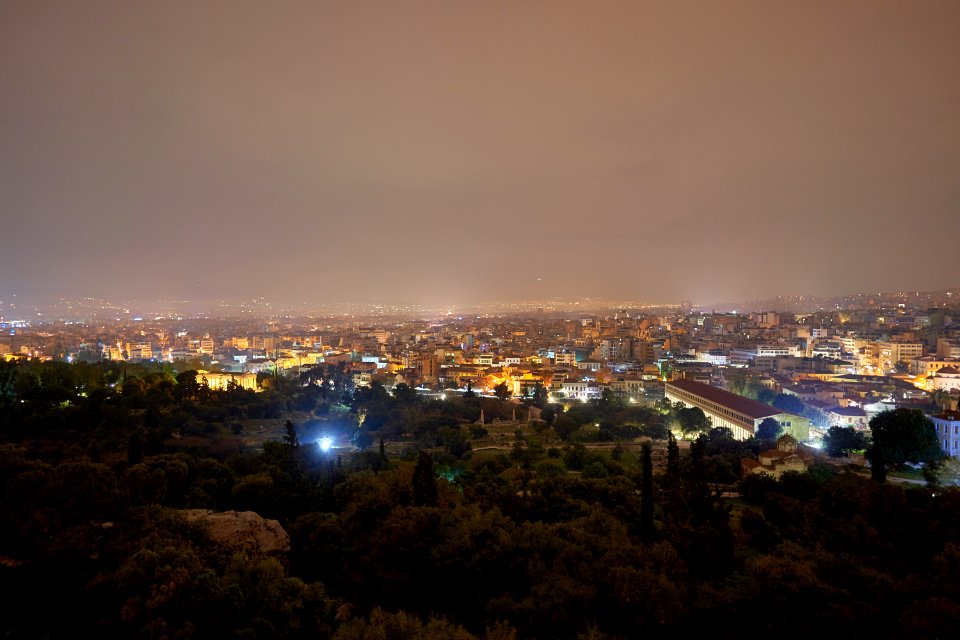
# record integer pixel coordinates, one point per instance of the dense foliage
(552, 537)
(900, 436)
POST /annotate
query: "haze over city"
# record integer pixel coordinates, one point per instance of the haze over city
(499, 320)
(454, 153)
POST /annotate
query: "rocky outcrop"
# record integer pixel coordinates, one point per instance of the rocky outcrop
(242, 528)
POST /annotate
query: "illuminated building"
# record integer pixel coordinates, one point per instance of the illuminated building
(362, 378)
(583, 391)
(787, 456)
(643, 352)
(630, 389)
(847, 417)
(929, 365)
(827, 349)
(947, 348)
(112, 352)
(741, 415)
(762, 355)
(428, 369)
(890, 353)
(766, 319)
(712, 356)
(462, 374)
(946, 379)
(616, 349)
(139, 351)
(947, 425)
(221, 381)
(590, 365)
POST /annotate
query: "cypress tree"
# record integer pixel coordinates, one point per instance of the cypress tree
(425, 492)
(673, 482)
(673, 461)
(698, 492)
(647, 532)
(291, 436)
(135, 448)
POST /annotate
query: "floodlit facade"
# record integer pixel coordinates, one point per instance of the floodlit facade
(947, 379)
(947, 425)
(220, 381)
(929, 365)
(583, 391)
(890, 353)
(741, 415)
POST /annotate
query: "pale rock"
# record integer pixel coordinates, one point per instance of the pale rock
(239, 528)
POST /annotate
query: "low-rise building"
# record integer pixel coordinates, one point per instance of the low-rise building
(725, 409)
(946, 379)
(929, 365)
(787, 456)
(581, 390)
(849, 416)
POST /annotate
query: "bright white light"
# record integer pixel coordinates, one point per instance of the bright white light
(325, 443)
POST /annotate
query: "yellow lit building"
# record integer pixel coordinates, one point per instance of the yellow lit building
(220, 381)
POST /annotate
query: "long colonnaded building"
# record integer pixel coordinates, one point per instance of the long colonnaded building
(740, 415)
(221, 381)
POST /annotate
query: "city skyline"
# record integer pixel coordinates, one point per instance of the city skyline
(64, 312)
(438, 154)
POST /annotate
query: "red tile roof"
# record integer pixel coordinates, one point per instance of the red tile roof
(746, 406)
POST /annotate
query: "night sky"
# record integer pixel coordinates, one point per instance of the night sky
(453, 152)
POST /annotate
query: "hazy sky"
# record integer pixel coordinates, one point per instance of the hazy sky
(466, 151)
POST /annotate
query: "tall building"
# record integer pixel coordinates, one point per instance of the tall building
(947, 348)
(616, 349)
(428, 368)
(891, 353)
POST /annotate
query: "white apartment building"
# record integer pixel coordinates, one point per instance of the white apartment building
(583, 391)
(947, 425)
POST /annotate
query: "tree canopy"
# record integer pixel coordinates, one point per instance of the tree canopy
(841, 441)
(769, 429)
(430, 537)
(692, 420)
(900, 436)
